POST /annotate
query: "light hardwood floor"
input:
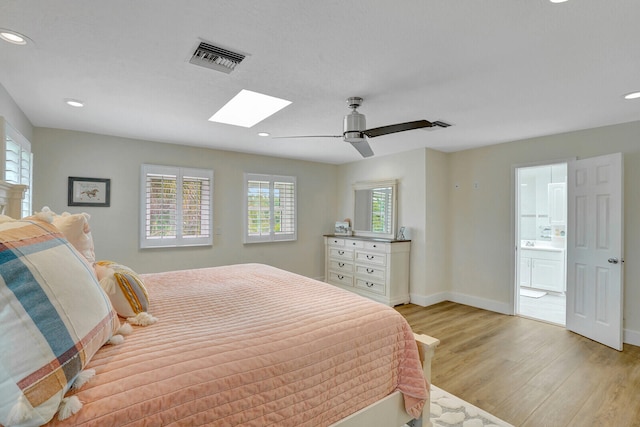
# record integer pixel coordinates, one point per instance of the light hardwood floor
(529, 373)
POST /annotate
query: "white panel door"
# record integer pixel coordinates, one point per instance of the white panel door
(594, 244)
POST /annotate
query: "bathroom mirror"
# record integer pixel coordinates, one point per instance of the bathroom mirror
(375, 209)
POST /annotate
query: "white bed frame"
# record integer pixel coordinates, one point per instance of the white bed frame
(390, 410)
(11, 199)
(386, 412)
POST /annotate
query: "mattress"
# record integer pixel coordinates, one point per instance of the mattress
(251, 345)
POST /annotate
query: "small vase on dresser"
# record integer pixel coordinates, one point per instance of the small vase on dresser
(372, 267)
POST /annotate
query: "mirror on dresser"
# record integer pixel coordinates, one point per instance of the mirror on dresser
(375, 205)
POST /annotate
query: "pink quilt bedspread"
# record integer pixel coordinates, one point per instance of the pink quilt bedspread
(251, 345)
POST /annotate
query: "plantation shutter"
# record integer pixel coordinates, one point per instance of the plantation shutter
(18, 162)
(196, 197)
(270, 208)
(177, 206)
(284, 208)
(381, 210)
(258, 208)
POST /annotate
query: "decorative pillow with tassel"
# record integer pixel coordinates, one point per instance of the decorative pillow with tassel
(54, 316)
(126, 290)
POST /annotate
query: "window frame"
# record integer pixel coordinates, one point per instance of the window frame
(272, 235)
(179, 240)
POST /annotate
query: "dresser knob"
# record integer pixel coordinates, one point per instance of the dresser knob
(341, 264)
(340, 252)
(369, 270)
(369, 285)
(370, 257)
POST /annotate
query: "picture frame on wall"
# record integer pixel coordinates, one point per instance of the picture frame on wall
(89, 192)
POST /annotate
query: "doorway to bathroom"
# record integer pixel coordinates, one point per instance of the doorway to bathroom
(541, 248)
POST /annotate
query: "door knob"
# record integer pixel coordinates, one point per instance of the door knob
(613, 260)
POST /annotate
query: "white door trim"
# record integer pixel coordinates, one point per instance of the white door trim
(514, 294)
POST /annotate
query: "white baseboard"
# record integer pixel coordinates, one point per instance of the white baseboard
(629, 336)
(427, 300)
(483, 303)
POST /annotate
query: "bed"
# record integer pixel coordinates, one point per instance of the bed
(250, 345)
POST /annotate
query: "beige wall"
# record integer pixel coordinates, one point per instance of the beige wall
(59, 154)
(14, 115)
(481, 219)
(420, 174)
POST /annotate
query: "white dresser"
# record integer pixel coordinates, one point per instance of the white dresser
(375, 268)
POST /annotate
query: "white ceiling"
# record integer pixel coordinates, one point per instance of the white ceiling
(498, 70)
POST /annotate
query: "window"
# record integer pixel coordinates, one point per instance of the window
(381, 205)
(177, 207)
(18, 162)
(270, 208)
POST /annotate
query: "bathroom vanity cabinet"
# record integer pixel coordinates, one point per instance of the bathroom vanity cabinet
(543, 269)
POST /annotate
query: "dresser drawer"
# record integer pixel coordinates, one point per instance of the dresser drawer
(355, 244)
(337, 253)
(335, 241)
(371, 286)
(375, 246)
(340, 266)
(340, 279)
(371, 258)
(371, 272)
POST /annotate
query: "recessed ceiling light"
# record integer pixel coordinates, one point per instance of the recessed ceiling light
(633, 95)
(13, 37)
(248, 108)
(74, 102)
(263, 134)
(558, 1)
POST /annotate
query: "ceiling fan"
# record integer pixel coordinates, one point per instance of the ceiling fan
(355, 132)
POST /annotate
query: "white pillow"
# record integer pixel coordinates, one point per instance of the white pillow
(53, 318)
(76, 230)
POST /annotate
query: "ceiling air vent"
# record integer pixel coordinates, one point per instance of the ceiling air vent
(216, 58)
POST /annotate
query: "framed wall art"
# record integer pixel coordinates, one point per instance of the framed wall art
(89, 192)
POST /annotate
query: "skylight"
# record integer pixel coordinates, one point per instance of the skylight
(248, 108)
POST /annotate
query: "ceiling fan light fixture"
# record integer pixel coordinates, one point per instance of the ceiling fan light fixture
(353, 136)
(354, 124)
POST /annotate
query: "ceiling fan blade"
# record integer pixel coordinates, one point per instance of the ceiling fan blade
(308, 136)
(363, 148)
(400, 127)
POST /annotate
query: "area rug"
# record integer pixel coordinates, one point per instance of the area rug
(448, 410)
(531, 294)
